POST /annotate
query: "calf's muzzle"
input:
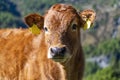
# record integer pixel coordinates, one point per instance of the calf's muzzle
(58, 52)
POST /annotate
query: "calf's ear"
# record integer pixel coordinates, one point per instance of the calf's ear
(87, 18)
(35, 22)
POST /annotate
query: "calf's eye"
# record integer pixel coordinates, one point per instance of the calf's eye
(45, 28)
(74, 26)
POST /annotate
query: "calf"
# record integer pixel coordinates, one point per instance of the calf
(55, 53)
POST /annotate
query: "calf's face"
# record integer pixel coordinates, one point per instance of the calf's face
(61, 26)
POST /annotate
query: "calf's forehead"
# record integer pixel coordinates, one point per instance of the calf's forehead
(60, 17)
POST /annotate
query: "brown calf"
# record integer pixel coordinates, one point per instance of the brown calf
(54, 54)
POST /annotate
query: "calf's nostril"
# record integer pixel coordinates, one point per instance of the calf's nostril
(63, 50)
(54, 50)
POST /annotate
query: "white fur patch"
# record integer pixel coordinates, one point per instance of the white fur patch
(49, 55)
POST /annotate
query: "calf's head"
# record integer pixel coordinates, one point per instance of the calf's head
(61, 25)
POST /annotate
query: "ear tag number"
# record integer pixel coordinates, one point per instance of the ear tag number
(34, 29)
(87, 25)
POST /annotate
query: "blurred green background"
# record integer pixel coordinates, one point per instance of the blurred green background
(101, 44)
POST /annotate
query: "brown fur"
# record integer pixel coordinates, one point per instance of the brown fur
(23, 55)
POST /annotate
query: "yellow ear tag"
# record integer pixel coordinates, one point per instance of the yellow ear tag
(34, 29)
(87, 25)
